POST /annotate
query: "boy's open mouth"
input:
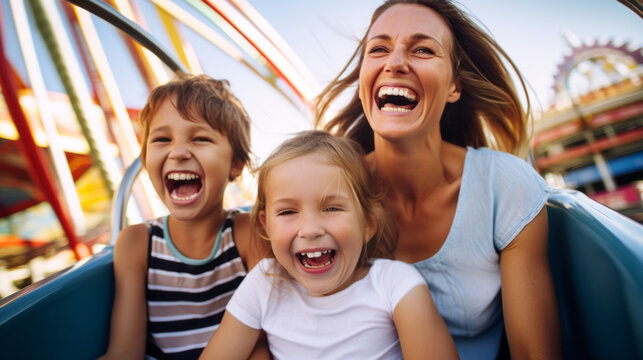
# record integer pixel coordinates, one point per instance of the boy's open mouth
(316, 259)
(183, 185)
(396, 99)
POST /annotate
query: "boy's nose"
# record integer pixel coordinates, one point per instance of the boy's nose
(180, 151)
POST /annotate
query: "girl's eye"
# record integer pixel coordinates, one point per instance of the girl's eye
(334, 208)
(160, 139)
(202, 139)
(285, 212)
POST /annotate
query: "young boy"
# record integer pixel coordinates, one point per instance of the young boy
(174, 275)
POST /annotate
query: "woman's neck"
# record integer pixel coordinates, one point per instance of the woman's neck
(415, 169)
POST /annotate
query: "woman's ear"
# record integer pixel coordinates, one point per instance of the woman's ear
(455, 91)
(371, 227)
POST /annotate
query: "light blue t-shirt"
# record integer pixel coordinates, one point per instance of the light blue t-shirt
(499, 195)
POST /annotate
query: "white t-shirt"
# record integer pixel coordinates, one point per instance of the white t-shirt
(355, 323)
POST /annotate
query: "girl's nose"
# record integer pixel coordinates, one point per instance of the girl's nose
(310, 227)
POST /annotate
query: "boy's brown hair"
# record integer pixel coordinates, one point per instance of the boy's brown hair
(200, 96)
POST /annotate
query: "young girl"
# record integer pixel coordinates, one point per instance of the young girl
(323, 293)
(175, 275)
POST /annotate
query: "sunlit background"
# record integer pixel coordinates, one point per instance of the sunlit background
(582, 60)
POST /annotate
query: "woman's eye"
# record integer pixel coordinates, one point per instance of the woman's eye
(424, 50)
(377, 49)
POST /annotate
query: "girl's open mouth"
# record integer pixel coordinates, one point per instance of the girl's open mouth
(316, 259)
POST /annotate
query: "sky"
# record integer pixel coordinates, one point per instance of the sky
(325, 33)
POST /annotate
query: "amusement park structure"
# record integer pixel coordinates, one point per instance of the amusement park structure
(591, 138)
(77, 150)
(65, 151)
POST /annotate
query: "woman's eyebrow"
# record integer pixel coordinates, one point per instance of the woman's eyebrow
(421, 36)
(418, 36)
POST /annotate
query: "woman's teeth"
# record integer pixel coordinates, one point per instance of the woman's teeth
(396, 92)
(395, 109)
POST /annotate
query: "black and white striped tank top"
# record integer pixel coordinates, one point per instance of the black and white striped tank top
(186, 298)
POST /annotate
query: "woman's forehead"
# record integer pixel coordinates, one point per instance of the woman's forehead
(411, 20)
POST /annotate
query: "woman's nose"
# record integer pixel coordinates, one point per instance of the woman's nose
(397, 62)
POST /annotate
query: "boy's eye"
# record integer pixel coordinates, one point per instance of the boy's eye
(202, 139)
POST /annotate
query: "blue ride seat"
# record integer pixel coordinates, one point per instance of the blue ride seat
(596, 257)
(65, 316)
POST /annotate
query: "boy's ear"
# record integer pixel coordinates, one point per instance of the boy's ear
(236, 168)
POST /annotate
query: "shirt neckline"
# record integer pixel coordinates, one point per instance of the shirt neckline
(462, 193)
(183, 258)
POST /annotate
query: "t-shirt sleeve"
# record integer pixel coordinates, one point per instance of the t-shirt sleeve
(397, 278)
(519, 195)
(245, 304)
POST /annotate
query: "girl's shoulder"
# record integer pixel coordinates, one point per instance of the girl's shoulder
(394, 271)
(393, 279)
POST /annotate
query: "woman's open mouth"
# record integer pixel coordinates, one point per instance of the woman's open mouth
(396, 99)
(183, 186)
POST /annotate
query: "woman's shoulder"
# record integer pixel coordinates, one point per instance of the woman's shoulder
(489, 155)
(500, 166)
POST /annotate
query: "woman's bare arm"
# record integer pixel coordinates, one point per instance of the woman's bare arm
(529, 301)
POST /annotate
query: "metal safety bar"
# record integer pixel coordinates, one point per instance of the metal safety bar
(121, 198)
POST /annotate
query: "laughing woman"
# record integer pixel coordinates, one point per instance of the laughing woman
(434, 98)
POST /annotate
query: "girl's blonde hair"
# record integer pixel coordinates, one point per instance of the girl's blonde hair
(348, 157)
(489, 112)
